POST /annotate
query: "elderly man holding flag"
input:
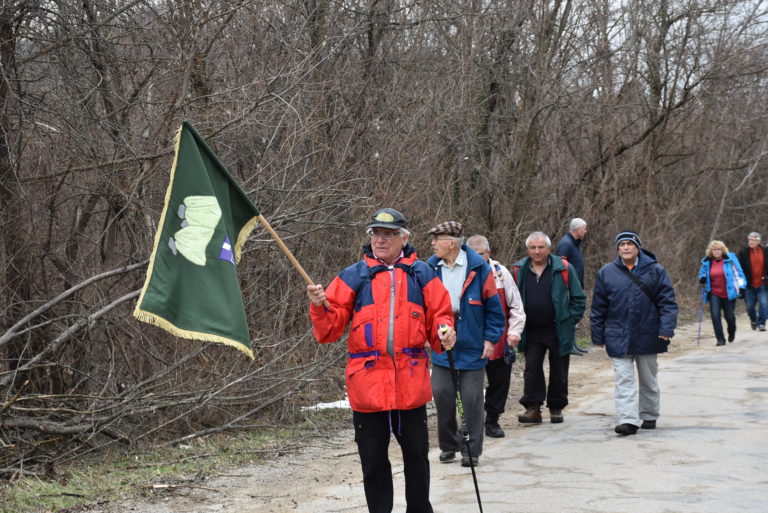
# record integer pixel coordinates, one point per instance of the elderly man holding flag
(394, 304)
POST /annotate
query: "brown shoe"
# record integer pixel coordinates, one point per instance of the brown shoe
(532, 415)
(556, 416)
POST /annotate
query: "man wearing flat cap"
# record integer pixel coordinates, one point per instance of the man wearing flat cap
(634, 315)
(480, 322)
(394, 304)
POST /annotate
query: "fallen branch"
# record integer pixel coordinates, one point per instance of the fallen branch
(11, 332)
(174, 487)
(67, 334)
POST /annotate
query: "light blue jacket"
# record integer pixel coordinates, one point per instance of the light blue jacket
(733, 282)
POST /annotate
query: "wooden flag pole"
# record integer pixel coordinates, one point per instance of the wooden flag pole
(287, 253)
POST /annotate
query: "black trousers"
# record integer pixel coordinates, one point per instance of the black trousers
(498, 373)
(537, 344)
(728, 307)
(372, 434)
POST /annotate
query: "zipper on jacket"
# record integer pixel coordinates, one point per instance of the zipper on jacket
(391, 328)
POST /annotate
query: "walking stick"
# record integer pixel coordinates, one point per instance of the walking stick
(701, 315)
(287, 253)
(464, 430)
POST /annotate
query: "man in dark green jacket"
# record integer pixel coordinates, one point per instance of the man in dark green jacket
(554, 303)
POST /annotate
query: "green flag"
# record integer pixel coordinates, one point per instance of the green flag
(192, 289)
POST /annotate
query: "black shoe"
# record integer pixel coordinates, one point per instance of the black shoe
(754, 325)
(649, 424)
(447, 456)
(626, 429)
(494, 430)
(465, 462)
(720, 343)
(731, 337)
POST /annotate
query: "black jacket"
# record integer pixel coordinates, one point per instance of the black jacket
(570, 248)
(746, 265)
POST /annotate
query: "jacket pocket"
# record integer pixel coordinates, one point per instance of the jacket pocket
(367, 383)
(414, 385)
(361, 333)
(417, 329)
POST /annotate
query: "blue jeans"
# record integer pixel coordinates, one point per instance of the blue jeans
(753, 296)
(716, 304)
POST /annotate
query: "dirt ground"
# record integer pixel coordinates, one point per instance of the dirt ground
(285, 484)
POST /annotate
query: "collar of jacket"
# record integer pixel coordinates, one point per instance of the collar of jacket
(576, 241)
(644, 259)
(409, 255)
(555, 261)
(473, 259)
(728, 257)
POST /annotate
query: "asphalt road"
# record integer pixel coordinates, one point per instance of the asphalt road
(709, 452)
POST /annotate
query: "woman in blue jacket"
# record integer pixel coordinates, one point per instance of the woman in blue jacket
(634, 314)
(723, 279)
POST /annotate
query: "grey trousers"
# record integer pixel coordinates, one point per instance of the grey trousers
(471, 383)
(630, 409)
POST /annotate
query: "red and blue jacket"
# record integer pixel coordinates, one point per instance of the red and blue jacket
(480, 314)
(367, 298)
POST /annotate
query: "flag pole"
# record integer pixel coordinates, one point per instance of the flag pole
(287, 253)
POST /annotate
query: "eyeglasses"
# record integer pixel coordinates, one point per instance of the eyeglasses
(375, 234)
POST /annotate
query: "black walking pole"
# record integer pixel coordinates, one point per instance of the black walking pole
(701, 313)
(464, 430)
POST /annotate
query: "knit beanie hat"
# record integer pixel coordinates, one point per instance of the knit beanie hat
(629, 235)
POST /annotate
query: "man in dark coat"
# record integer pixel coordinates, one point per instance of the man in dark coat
(569, 248)
(754, 261)
(634, 315)
(554, 303)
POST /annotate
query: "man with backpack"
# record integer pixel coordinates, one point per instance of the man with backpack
(395, 305)
(499, 368)
(554, 303)
(569, 248)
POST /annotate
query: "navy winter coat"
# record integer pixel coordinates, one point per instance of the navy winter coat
(570, 248)
(624, 318)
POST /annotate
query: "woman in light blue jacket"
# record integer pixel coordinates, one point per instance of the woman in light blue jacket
(723, 279)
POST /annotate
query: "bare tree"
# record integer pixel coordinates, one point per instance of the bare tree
(508, 116)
